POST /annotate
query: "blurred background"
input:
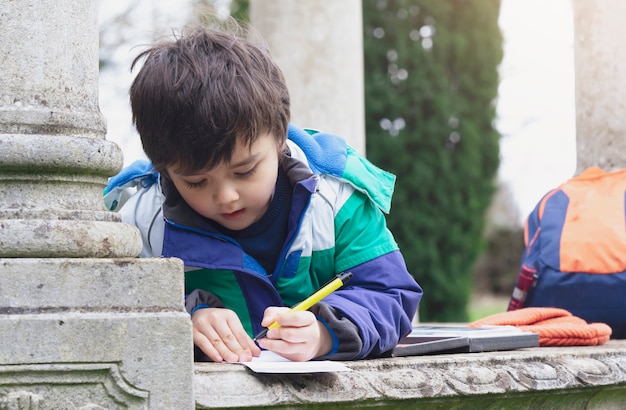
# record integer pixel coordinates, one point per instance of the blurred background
(469, 102)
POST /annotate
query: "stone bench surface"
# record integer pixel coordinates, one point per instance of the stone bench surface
(222, 385)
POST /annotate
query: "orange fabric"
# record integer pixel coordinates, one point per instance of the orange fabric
(593, 239)
(556, 327)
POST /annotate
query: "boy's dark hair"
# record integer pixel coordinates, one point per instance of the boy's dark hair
(196, 94)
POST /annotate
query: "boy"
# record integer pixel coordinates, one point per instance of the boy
(260, 220)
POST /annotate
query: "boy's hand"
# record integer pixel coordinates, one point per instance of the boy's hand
(220, 335)
(300, 337)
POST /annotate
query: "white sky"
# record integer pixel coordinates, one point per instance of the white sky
(141, 28)
(536, 113)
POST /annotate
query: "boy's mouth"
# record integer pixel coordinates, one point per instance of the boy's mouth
(233, 215)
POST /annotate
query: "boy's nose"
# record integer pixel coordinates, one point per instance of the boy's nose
(225, 194)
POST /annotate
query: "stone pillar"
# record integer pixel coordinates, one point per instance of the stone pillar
(319, 46)
(83, 322)
(600, 67)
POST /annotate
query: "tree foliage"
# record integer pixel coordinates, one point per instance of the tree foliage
(240, 10)
(430, 84)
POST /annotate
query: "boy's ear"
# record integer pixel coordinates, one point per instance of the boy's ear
(282, 148)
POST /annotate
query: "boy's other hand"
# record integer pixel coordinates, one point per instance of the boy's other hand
(300, 337)
(220, 335)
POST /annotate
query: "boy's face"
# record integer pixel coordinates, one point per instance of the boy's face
(234, 194)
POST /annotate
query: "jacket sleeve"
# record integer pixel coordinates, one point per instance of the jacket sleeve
(346, 339)
(143, 209)
(382, 297)
(200, 299)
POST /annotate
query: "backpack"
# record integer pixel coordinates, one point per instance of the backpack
(575, 250)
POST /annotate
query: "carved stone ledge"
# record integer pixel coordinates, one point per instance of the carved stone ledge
(422, 377)
(63, 386)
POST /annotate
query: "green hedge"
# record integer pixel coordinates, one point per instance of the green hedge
(431, 81)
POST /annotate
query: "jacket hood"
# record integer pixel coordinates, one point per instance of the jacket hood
(329, 154)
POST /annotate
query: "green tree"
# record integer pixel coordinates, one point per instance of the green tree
(240, 10)
(430, 84)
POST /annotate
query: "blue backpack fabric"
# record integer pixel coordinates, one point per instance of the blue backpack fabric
(575, 255)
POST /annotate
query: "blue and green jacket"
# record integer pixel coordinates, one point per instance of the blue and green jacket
(336, 224)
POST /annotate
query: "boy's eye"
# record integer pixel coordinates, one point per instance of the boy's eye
(246, 174)
(195, 185)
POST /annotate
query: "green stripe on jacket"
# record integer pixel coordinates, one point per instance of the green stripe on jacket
(223, 284)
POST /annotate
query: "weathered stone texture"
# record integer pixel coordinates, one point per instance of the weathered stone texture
(452, 376)
(83, 323)
(600, 66)
(105, 332)
(318, 44)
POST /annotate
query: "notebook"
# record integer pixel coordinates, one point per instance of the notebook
(425, 340)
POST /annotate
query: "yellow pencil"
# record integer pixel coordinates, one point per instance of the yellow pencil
(324, 291)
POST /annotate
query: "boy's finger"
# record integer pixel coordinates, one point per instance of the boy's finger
(296, 319)
(229, 347)
(271, 314)
(240, 347)
(223, 350)
(205, 345)
(221, 341)
(254, 348)
(296, 352)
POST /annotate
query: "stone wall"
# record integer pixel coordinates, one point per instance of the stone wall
(84, 323)
(600, 66)
(318, 44)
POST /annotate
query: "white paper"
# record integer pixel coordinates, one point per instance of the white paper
(270, 362)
